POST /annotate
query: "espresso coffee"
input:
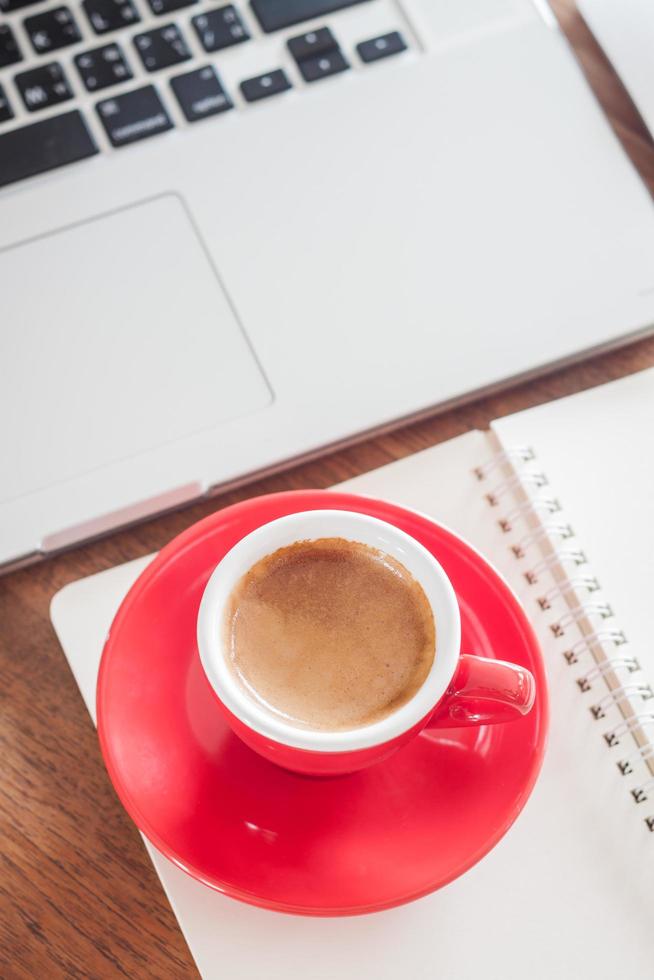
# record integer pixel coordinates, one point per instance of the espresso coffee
(330, 634)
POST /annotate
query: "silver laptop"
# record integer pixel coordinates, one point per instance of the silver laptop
(231, 235)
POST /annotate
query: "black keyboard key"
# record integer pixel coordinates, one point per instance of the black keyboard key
(311, 44)
(8, 6)
(263, 86)
(381, 47)
(220, 28)
(43, 146)
(200, 93)
(168, 6)
(102, 67)
(275, 14)
(9, 50)
(323, 65)
(5, 109)
(134, 116)
(52, 30)
(162, 47)
(43, 86)
(110, 15)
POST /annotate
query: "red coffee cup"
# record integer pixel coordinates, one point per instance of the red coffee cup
(459, 690)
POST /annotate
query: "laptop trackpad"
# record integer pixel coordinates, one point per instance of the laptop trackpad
(134, 345)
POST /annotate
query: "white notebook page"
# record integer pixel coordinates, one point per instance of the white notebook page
(597, 449)
(565, 894)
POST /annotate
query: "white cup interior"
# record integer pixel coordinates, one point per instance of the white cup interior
(310, 525)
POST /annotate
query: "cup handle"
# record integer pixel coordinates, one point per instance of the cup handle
(484, 692)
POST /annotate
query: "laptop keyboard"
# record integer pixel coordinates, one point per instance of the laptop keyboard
(141, 39)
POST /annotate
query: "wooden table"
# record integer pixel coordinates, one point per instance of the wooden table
(78, 895)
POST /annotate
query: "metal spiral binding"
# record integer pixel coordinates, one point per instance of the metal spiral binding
(595, 608)
(564, 555)
(586, 682)
(544, 504)
(562, 589)
(579, 614)
(622, 693)
(625, 766)
(617, 637)
(640, 792)
(532, 479)
(613, 737)
(559, 528)
(520, 454)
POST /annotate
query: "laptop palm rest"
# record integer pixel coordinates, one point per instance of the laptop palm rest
(135, 346)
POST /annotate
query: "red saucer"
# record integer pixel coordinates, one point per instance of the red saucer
(339, 846)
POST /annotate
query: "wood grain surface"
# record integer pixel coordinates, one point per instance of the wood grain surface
(78, 895)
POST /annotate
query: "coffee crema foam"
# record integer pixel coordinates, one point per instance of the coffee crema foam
(330, 634)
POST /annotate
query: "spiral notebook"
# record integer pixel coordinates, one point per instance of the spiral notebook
(561, 499)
